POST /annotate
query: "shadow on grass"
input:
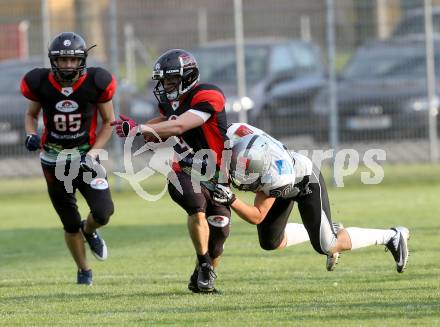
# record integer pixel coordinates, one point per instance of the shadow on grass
(34, 244)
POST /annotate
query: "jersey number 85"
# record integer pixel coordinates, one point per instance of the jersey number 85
(67, 122)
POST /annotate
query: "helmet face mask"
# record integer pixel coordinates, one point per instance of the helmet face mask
(68, 45)
(67, 73)
(245, 182)
(175, 63)
(170, 86)
(249, 162)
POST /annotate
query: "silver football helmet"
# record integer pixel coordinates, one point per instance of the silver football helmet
(250, 161)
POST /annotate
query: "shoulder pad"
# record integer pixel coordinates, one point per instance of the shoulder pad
(101, 77)
(33, 78)
(207, 86)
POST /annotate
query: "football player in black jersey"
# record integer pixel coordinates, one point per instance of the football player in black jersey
(70, 96)
(194, 113)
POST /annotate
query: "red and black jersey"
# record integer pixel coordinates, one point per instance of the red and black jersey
(69, 113)
(212, 134)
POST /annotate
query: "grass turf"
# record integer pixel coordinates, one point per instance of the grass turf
(151, 258)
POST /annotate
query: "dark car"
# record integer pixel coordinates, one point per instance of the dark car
(282, 77)
(13, 105)
(382, 93)
(413, 23)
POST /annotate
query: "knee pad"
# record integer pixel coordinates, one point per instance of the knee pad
(219, 232)
(216, 250)
(102, 213)
(269, 245)
(219, 222)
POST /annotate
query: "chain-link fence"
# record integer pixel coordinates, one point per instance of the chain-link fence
(362, 61)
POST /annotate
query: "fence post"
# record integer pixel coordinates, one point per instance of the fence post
(333, 97)
(45, 22)
(202, 25)
(430, 81)
(23, 39)
(130, 59)
(114, 65)
(239, 52)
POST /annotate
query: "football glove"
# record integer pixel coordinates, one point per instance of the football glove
(86, 163)
(126, 126)
(32, 142)
(89, 164)
(223, 195)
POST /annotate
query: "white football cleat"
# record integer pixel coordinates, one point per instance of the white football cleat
(332, 260)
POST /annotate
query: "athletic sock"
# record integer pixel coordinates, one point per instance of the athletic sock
(362, 237)
(295, 234)
(204, 258)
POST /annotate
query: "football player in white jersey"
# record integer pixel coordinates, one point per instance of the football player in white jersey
(263, 165)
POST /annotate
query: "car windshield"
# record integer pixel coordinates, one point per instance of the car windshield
(10, 79)
(12, 71)
(218, 65)
(416, 25)
(388, 62)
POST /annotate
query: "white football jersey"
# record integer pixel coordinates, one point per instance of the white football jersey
(286, 168)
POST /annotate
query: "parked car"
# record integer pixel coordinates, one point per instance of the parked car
(282, 77)
(382, 93)
(413, 23)
(13, 105)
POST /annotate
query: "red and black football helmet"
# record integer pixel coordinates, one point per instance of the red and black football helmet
(68, 44)
(175, 62)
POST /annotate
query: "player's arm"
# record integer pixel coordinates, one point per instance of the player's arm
(31, 117)
(256, 213)
(156, 120)
(107, 115)
(203, 105)
(175, 127)
(32, 141)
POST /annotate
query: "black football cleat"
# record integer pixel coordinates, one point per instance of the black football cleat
(84, 277)
(398, 246)
(206, 277)
(192, 284)
(96, 243)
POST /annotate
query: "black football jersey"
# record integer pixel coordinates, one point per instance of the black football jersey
(69, 113)
(212, 134)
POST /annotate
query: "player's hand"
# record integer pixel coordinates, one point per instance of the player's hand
(151, 139)
(32, 142)
(87, 163)
(223, 195)
(126, 126)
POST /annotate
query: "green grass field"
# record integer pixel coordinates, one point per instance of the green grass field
(144, 280)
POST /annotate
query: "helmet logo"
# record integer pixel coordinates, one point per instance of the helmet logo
(243, 130)
(67, 43)
(157, 67)
(187, 61)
